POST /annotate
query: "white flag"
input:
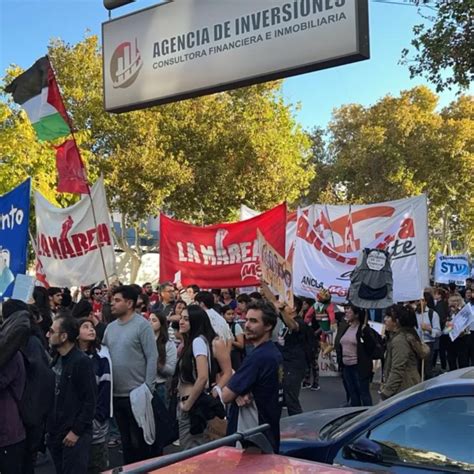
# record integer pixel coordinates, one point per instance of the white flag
(68, 241)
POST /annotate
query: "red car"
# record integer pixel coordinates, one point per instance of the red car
(226, 460)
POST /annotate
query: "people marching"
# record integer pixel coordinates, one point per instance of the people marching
(136, 368)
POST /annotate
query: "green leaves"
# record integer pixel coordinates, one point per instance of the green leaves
(444, 49)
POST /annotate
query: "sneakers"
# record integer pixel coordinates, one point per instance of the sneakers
(315, 388)
(306, 385)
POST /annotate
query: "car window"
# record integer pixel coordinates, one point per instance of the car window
(436, 434)
(373, 411)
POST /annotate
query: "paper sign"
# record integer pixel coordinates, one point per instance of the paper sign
(23, 288)
(276, 271)
(461, 321)
(377, 327)
(177, 277)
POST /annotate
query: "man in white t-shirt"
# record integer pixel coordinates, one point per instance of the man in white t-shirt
(205, 299)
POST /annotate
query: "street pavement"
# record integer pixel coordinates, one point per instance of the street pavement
(331, 395)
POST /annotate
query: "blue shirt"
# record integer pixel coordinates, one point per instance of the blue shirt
(261, 373)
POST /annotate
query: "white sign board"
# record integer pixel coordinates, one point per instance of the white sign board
(188, 48)
(461, 321)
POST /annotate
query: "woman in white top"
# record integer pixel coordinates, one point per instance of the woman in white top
(167, 355)
(198, 367)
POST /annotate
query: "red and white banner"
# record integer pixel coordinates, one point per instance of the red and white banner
(219, 255)
(68, 240)
(322, 259)
(345, 230)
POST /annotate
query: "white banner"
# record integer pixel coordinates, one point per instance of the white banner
(68, 241)
(452, 268)
(329, 239)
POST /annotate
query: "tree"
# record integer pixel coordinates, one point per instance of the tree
(446, 44)
(401, 147)
(198, 160)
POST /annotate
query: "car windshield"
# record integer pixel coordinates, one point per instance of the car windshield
(337, 429)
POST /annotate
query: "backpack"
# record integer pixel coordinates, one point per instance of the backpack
(38, 395)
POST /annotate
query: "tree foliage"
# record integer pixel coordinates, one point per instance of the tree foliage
(198, 159)
(445, 45)
(400, 147)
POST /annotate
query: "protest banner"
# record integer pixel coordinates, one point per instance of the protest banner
(460, 322)
(219, 255)
(318, 263)
(451, 268)
(68, 241)
(14, 221)
(276, 271)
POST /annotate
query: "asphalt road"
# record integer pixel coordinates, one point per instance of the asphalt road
(331, 395)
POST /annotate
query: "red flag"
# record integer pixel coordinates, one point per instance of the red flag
(71, 172)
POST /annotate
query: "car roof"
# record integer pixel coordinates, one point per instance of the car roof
(237, 461)
(460, 376)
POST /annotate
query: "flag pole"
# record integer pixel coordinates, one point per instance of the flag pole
(86, 181)
(330, 226)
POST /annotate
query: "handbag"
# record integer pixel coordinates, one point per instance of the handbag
(216, 428)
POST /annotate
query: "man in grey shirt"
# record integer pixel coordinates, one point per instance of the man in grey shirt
(132, 348)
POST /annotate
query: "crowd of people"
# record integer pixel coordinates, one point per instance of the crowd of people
(85, 371)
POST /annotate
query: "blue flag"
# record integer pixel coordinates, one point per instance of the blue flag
(14, 221)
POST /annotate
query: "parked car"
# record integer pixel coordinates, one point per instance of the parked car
(229, 460)
(428, 428)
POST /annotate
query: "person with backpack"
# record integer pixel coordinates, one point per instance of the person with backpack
(13, 334)
(356, 348)
(33, 408)
(428, 328)
(237, 352)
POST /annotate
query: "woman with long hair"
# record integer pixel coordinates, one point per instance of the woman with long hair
(88, 342)
(166, 355)
(355, 345)
(197, 370)
(405, 351)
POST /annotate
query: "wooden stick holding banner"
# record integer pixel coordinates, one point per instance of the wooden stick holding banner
(276, 271)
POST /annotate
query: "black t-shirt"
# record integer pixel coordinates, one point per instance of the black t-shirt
(294, 348)
(261, 374)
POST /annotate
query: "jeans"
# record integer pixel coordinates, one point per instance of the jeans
(314, 369)
(133, 444)
(72, 460)
(186, 439)
(292, 378)
(358, 387)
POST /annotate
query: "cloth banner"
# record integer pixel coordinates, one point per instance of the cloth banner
(219, 255)
(452, 268)
(68, 240)
(14, 221)
(276, 271)
(320, 259)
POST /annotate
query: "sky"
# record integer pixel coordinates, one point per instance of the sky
(26, 26)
